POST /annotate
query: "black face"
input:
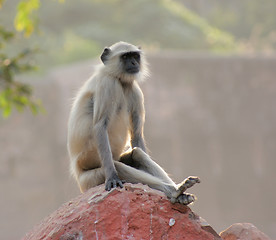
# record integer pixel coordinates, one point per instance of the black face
(131, 62)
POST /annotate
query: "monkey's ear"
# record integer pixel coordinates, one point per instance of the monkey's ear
(139, 47)
(104, 56)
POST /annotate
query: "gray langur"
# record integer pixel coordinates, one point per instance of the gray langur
(105, 129)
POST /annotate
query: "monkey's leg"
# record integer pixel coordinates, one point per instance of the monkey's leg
(180, 196)
(142, 161)
(187, 183)
(133, 175)
(138, 159)
(94, 177)
(91, 178)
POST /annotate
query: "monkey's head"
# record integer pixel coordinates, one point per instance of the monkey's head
(125, 62)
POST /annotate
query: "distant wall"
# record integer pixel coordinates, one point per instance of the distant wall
(210, 116)
(215, 117)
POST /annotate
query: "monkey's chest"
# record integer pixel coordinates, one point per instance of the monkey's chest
(118, 132)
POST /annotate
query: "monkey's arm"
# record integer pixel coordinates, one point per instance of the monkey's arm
(103, 112)
(137, 136)
(104, 150)
(137, 120)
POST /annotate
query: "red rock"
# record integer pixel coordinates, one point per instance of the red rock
(243, 231)
(134, 212)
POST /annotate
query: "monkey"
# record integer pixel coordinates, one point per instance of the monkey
(106, 128)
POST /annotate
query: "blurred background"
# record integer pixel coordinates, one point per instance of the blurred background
(210, 100)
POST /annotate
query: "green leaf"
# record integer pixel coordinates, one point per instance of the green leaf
(3, 100)
(34, 108)
(24, 19)
(6, 112)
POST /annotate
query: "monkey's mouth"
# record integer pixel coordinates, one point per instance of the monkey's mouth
(132, 70)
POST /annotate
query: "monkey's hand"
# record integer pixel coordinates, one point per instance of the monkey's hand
(113, 181)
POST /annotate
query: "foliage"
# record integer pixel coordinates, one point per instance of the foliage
(13, 93)
(24, 20)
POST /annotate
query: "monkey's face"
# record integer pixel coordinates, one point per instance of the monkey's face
(130, 62)
(125, 62)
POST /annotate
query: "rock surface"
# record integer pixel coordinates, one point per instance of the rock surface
(243, 231)
(134, 212)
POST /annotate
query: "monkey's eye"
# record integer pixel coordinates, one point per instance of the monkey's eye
(136, 56)
(124, 56)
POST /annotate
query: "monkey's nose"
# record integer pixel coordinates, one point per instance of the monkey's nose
(133, 62)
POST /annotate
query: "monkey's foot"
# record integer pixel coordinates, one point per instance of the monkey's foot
(187, 183)
(185, 199)
(113, 183)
